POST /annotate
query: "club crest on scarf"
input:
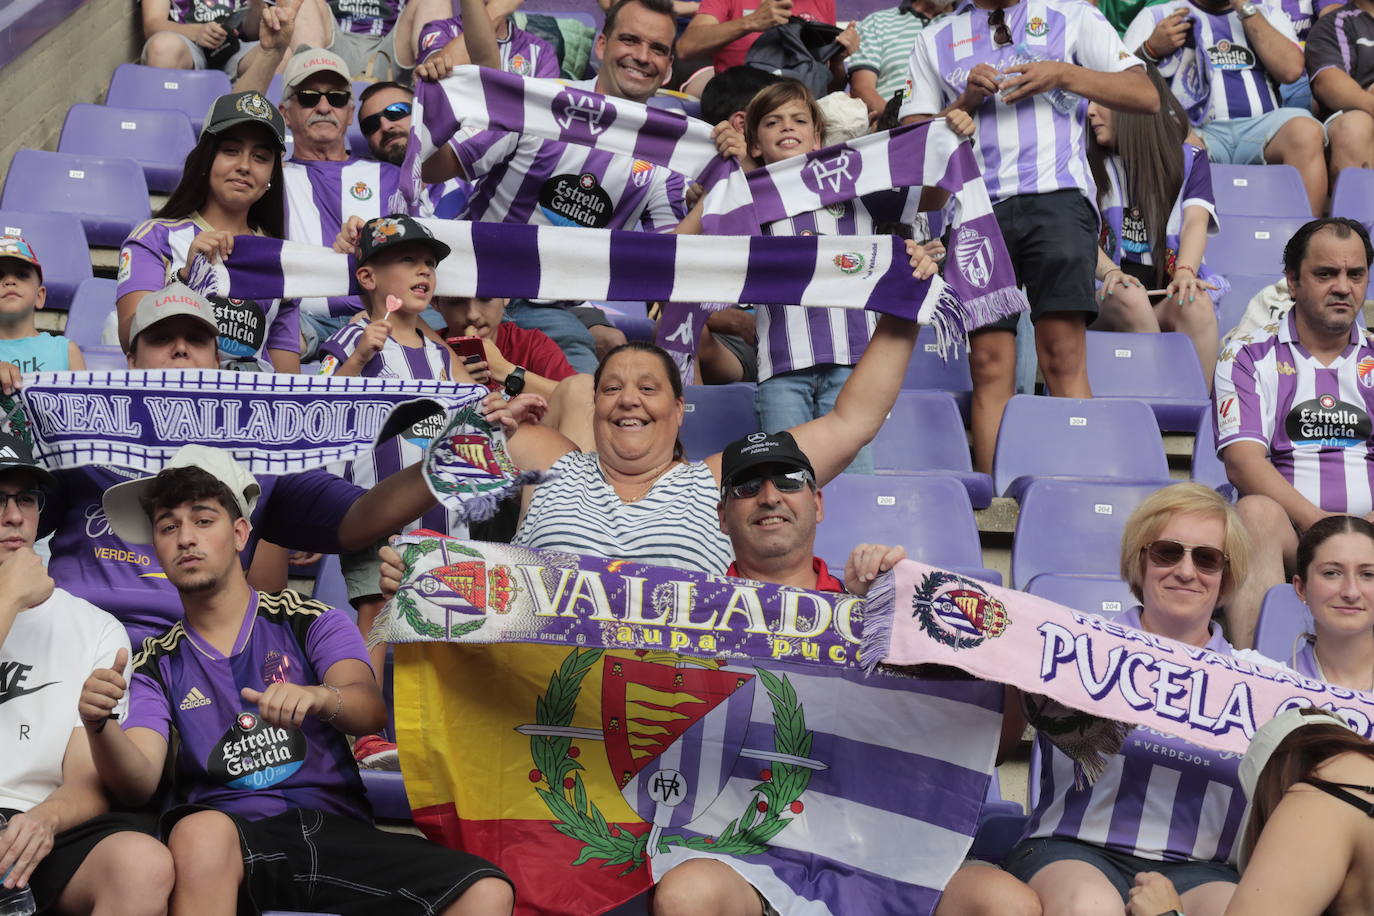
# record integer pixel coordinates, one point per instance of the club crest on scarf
(833, 173)
(582, 115)
(958, 612)
(468, 468)
(973, 255)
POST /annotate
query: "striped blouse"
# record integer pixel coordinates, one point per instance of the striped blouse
(674, 524)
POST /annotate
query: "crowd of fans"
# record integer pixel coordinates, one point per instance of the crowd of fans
(1094, 130)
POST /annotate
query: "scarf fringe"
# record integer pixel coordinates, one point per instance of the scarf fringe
(879, 609)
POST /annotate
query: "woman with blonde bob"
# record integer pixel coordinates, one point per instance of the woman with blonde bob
(1163, 804)
(1308, 842)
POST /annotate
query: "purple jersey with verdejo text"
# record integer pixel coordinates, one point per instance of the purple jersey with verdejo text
(522, 53)
(158, 247)
(321, 196)
(366, 17)
(198, 11)
(1030, 147)
(1160, 798)
(229, 758)
(298, 511)
(1313, 420)
(1216, 75)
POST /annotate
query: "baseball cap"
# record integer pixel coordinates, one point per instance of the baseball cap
(309, 62)
(1267, 740)
(245, 108)
(15, 454)
(757, 449)
(125, 513)
(176, 299)
(384, 231)
(14, 246)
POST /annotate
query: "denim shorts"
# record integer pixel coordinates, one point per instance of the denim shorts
(1119, 868)
(1241, 141)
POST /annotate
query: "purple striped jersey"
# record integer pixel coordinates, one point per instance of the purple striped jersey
(1313, 420)
(366, 17)
(321, 195)
(1125, 232)
(793, 337)
(1303, 14)
(1030, 147)
(394, 360)
(196, 11)
(1226, 80)
(1161, 798)
(522, 53)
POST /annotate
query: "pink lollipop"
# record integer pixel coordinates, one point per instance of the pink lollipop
(393, 304)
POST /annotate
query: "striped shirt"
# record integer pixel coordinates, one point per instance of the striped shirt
(394, 360)
(1124, 234)
(1227, 80)
(1314, 420)
(1030, 147)
(522, 53)
(366, 17)
(885, 41)
(321, 195)
(1161, 798)
(1304, 14)
(674, 524)
(1345, 40)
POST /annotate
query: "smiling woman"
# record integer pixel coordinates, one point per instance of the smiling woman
(1334, 577)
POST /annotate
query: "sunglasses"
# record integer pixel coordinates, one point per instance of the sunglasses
(790, 482)
(309, 98)
(393, 112)
(997, 21)
(26, 500)
(1167, 554)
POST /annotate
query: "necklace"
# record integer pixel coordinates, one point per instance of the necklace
(665, 468)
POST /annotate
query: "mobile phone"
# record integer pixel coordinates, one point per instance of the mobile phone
(469, 349)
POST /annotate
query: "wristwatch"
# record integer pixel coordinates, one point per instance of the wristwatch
(1247, 9)
(515, 382)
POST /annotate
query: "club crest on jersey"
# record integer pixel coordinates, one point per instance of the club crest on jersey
(360, 191)
(1364, 371)
(958, 612)
(255, 106)
(1226, 55)
(1037, 27)
(520, 64)
(641, 172)
(850, 262)
(973, 256)
(584, 114)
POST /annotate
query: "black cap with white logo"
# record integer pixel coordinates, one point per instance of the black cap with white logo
(16, 455)
(758, 449)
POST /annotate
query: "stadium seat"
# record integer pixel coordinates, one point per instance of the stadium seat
(929, 515)
(1282, 619)
(1105, 595)
(924, 433)
(1259, 190)
(386, 792)
(1068, 437)
(191, 92)
(109, 196)
(1252, 244)
(157, 140)
(104, 359)
(1073, 527)
(330, 586)
(94, 300)
(1243, 288)
(715, 416)
(928, 370)
(1353, 195)
(1208, 469)
(60, 243)
(630, 318)
(1160, 369)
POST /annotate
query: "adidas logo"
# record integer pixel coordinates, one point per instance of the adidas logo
(7, 452)
(194, 699)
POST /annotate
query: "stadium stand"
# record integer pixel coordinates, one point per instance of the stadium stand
(92, 304)
(925, 433)
(1252, 244)
(716, 415)
(1160, 369)
(60, 241)
(1073, 527)
(109, 196)
(1353, 195)
(1282, 619)
(1102, 594)
(1258, 190)
(191, 92)
(157, 140)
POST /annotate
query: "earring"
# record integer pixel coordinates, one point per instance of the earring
(269, 185)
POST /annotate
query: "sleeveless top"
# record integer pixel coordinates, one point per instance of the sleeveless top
(674, 524)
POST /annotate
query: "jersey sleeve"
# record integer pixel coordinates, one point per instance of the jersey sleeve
(436, 34)
(1238, 403)
(1097, 46)
(333, 638)
(666, 203)
(479, 153)
(285, 332)
(148, 705)
(1140, 28)
(304, 511)
(340, 346)
(926, 95)
(1324, 48)
(143, 260)
(1197, 189)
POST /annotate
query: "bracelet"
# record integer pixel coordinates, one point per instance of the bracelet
(338, 708)
(1150, 54)
(1189, 268)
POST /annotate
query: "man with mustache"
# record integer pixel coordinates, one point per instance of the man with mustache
(1292, 409)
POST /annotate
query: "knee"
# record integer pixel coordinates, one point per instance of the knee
(204, 841)
(1061, 346)
(167, 50)
(487, 896)
(1352, 131)
(1261, 513)
(992, 362)
(696, 886)
(133, 874)
(977, 890)
(1302, 138)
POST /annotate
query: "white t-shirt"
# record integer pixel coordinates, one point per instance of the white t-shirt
(50, 651)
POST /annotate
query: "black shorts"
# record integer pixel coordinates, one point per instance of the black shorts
(1119, 868)
(1052, 240)
(745, 352)
(312, 861)
(71, 847)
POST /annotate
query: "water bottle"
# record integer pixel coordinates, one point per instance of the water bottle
(1061, 99)
(16, 901)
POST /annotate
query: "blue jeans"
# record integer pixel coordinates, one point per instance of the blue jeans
(788, 400)
(561, 325)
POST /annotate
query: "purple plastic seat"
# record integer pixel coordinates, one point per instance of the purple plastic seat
(1243, 289)
(1353, 195)
(330, 586)
(715, 416)
(109, 196)
(1073, 527)
(60, 243)
(189, 91)
(1259, 190)
(1282, 619)
(1252, 244)
(927, 371)
(386, 792)
(929, 515)
(1160, 369)
(156, 140)
(1097, 438)
(925, 433)
(1208, 469)
(93, 303)
(1104, 595)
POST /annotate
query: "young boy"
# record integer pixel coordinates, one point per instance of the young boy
(260, 690)
(21, 293)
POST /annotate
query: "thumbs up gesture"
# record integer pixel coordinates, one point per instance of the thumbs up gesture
(102, 692)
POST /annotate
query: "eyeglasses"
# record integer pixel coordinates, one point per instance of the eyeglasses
(26, 500)
(790, 482)
(997, 21)
(309, 98)
(1167, 554)
(393, 112)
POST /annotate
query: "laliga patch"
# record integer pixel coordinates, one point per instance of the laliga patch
(576, 200)
(254, 755)
(1228, 416)
(126, 265)
(1327, 422)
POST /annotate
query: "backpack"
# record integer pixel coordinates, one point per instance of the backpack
(799, 50)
